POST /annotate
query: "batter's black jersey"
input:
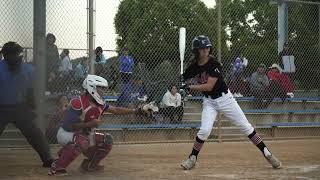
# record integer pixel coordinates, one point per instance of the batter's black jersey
(201, 73)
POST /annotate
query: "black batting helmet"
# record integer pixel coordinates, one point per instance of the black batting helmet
(200, 42)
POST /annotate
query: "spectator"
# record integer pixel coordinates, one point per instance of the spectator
(132, 93)
(113, 78)
(259, 83)
(237, 81)
(53, 61)
(66, 65)
(281, 85)
(81, 70)
(286, 60)
(17, 99)
(99, 59)
(55, 119)
(126, 65)
(172, 104)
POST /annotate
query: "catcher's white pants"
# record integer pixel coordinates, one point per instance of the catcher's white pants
(229, 107)
(64, 137)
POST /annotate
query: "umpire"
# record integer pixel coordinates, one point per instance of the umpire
(17, 100)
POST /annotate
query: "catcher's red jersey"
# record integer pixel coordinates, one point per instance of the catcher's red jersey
(81, 110)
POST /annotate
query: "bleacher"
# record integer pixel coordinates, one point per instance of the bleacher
(299, 112)
(297, 117)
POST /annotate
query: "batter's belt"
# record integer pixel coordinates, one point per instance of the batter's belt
(215, 96)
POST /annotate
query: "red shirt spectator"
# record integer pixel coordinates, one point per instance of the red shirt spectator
(275, 74)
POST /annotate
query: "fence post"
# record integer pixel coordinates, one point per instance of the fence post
(91, 34)
(282, 24)
(219, 29)
(39, 56)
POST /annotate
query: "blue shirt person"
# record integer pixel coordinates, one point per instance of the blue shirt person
(126, 65)
(132, 94)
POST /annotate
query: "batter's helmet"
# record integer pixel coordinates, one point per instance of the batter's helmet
(200, 42)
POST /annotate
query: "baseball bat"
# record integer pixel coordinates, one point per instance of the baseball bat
(182, 46)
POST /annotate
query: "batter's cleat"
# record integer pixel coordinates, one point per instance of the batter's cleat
(189, 163)
(276, 164)
(60, 172)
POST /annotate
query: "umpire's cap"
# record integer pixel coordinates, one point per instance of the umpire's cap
(200, 42)
(11, 48)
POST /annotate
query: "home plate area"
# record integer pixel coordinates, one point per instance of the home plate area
(227, 160)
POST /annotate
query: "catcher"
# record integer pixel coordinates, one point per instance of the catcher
(77, 132)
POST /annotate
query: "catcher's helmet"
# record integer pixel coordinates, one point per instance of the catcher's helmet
(200, 42)
(91, 83)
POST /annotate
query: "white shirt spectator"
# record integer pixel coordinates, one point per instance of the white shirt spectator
(66, 64)
(171, 100)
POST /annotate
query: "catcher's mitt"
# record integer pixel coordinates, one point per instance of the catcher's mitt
(147, 110)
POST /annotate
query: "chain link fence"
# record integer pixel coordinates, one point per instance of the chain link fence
(145, 64)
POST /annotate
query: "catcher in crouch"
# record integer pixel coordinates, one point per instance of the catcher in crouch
(77, 132)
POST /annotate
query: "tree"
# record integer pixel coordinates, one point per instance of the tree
(151, 28)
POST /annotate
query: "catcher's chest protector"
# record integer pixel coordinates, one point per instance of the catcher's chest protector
(90, 111)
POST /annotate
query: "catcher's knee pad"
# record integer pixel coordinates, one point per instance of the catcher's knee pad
(103, 139)
(203, 134)
(66, 155)
(103, 142)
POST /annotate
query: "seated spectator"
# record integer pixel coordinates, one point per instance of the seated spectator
(132, 93)
(66, 65)
(172, 105)
(55, 119)
(236, 81)
(81, 70)
(99, 62)
(281, 80)
(259, 83)
(99, 57)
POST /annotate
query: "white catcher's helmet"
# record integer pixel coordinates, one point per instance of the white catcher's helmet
(91, 83)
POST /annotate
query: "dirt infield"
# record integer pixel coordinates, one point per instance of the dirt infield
(229, 160)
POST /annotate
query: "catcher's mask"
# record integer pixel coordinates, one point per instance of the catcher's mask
(96, 87)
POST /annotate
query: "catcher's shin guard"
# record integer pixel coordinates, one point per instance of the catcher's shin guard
(96, 154)
(66, 155)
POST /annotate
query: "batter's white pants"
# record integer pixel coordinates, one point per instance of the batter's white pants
(227, 105)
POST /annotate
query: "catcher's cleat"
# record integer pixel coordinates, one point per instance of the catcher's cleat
(189, 163)
(85, 167)
(60, 172)
(53, 171)
(276, 164)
